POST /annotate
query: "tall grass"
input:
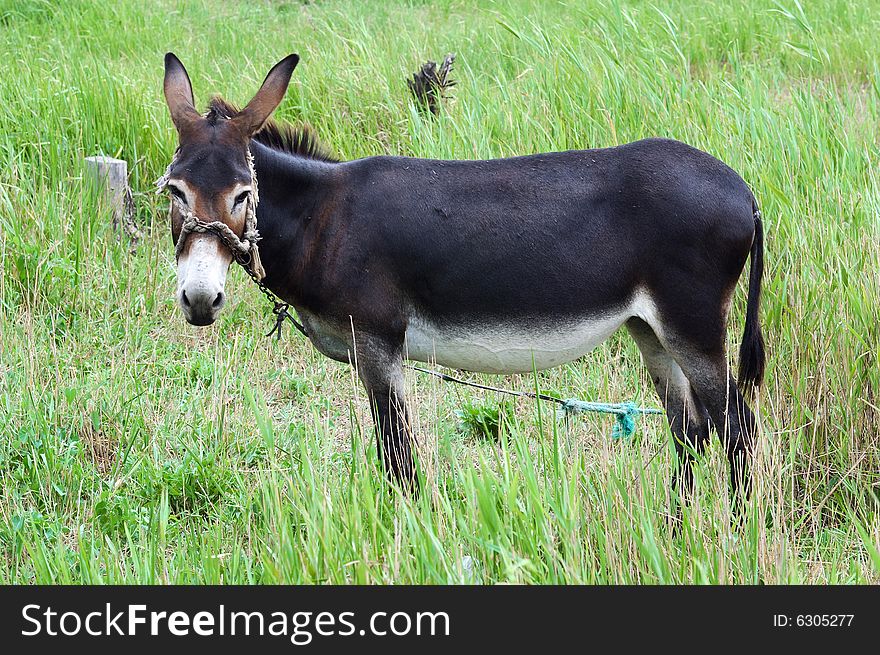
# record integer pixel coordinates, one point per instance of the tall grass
(135, 448)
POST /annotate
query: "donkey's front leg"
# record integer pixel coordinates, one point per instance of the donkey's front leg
(380, 368)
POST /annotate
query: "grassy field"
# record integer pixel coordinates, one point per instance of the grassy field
(136, 448)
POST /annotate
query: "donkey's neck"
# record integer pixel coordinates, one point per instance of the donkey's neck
(281, 174)
(292, 191)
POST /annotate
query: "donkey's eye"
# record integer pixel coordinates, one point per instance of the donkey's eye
(240, 198)
(177, 193)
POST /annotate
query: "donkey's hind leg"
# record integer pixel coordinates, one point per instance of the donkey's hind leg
(687, 416)
(705, 366)
(380, 368)
(736, 423)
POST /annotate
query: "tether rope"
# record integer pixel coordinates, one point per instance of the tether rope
(625, 413)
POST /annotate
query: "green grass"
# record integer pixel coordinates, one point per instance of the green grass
(135, 448)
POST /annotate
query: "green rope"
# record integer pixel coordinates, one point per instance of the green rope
(625, 413)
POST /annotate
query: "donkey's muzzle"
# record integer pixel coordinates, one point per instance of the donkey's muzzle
(201, 304)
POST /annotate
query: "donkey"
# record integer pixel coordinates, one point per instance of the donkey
(497, 266)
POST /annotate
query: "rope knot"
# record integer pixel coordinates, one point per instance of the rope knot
(625, 425)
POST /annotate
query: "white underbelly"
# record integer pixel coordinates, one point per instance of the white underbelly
(508, 348)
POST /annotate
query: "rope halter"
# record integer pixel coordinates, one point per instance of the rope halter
(244, 250)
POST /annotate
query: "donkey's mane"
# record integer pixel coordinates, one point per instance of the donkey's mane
(285, 137)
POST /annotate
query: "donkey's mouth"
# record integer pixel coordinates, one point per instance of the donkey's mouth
(200, 321)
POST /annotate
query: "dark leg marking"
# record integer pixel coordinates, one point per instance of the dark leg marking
(730, 411)
(687, 416)
(380, 368)
(709, 374)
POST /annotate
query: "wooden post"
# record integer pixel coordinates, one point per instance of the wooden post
(112, 175)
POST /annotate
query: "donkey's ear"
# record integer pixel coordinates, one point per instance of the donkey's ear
(258, 110)
(178, 92)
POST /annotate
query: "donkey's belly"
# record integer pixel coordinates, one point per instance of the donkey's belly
(508, 347)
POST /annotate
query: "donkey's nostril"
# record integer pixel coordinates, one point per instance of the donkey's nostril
(184, 299)
(218, 300)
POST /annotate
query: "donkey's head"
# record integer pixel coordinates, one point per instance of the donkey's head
(211, 180)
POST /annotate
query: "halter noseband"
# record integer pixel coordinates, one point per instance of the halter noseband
(244, 250)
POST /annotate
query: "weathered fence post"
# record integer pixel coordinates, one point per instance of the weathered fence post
(112, 175)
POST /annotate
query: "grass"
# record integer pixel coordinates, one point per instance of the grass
(135, 448)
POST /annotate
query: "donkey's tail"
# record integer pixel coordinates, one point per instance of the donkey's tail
(751, 351)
